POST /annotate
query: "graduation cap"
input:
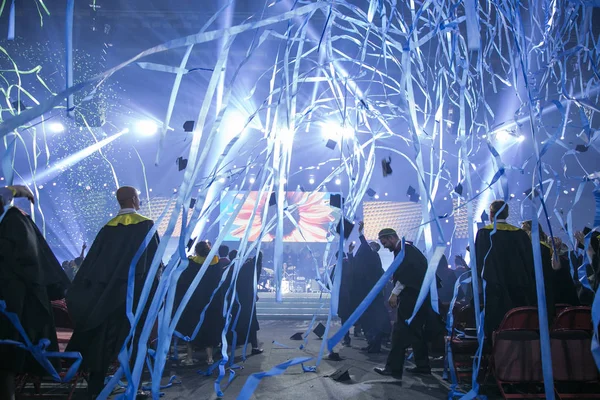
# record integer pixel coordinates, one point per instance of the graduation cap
(272, 199)
(319, 330)
(484, 217)
(386, 166)
(188, 126)
(190, 243)
(459, 189)
(531, 193)
(16, 104)
(413, 195)
(335, 200)
(582, 148)
(296, 336)
(192, 203)
(348, 227)
(181, 163)
(371, 192)
(341, 374)
(331, 144)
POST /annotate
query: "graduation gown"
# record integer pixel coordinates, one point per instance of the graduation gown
(565, 291)
(210, 330)
(245, 288)
(548, 281)
(97, 298)
(411, 274)
(366, 265)
(348, 300)
(30, 277)
(509, 271)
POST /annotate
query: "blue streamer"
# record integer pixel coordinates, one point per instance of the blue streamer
(11, 21)
(254, 379)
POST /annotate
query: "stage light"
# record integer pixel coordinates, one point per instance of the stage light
(147, 127)
(385, 194)
(334, 131)
(252, 179)
(287, 136)
(572, 189)
(221, 180)
(520, 138)
(56, 127)
(311, 180)
(338, 181)
(502, 136)
(41, 187)
(565, 191)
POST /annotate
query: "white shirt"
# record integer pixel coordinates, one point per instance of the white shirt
(500, 221)
(127, 211)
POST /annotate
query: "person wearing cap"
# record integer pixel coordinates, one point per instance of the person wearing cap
(30, 278)
(504, 257)
(408, 279)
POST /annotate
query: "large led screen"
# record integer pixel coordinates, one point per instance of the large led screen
(310, 220)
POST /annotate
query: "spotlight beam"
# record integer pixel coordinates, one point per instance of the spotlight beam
(74, 159)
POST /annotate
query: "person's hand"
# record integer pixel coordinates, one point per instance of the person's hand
(580, 237)
(393, 301)
(84, 246)
(557, 243)
(351, 247)
(22, 191)
(361, 227)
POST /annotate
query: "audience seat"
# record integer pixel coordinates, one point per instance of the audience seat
(573, 366)
(516, 355)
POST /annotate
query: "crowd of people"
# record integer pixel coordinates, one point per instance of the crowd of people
(31, 277)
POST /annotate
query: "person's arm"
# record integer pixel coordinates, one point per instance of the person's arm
(6, 196)
(82, 255)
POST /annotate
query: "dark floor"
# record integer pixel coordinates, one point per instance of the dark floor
(296, 384)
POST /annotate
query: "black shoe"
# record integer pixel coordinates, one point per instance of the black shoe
(366, 348)
(419, 370)
(387, 372)
(346, 343)
(373, 350)
(257, 351)
(333, 356)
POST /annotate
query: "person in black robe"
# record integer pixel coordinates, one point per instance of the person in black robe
(97, 298)
(367, 268)
(347, 299)
(30, 278)
(209, 335)
(247, 322)
(505, 261)
(549, 263)
(408, 280)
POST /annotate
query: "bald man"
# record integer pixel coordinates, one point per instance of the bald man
(97, 298)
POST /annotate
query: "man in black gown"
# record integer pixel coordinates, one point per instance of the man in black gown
(367, 272)
(209, 335)
(97, 298)
(30, 277)
(408, 280)
(506, 261)
(247, 321)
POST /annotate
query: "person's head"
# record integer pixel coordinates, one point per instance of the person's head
(495, 208)
(527, 226)
(202, 248)
(223, 251)
(65, 264)
(389, 238)
(232, 254)
(127, 196)
(374, 246)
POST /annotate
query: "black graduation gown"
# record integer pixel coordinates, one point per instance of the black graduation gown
(411, 274)
(245, 293)
(30, 277)
(97, 298)
(548, 281)
(347, 300)
(367, 270)
(210, 330)
(565, 291)
(509, 271)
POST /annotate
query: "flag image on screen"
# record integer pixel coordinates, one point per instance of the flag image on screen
(312, 216)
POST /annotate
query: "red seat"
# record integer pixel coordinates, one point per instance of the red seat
(516, 354)
(573, 365)
(463, 344)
